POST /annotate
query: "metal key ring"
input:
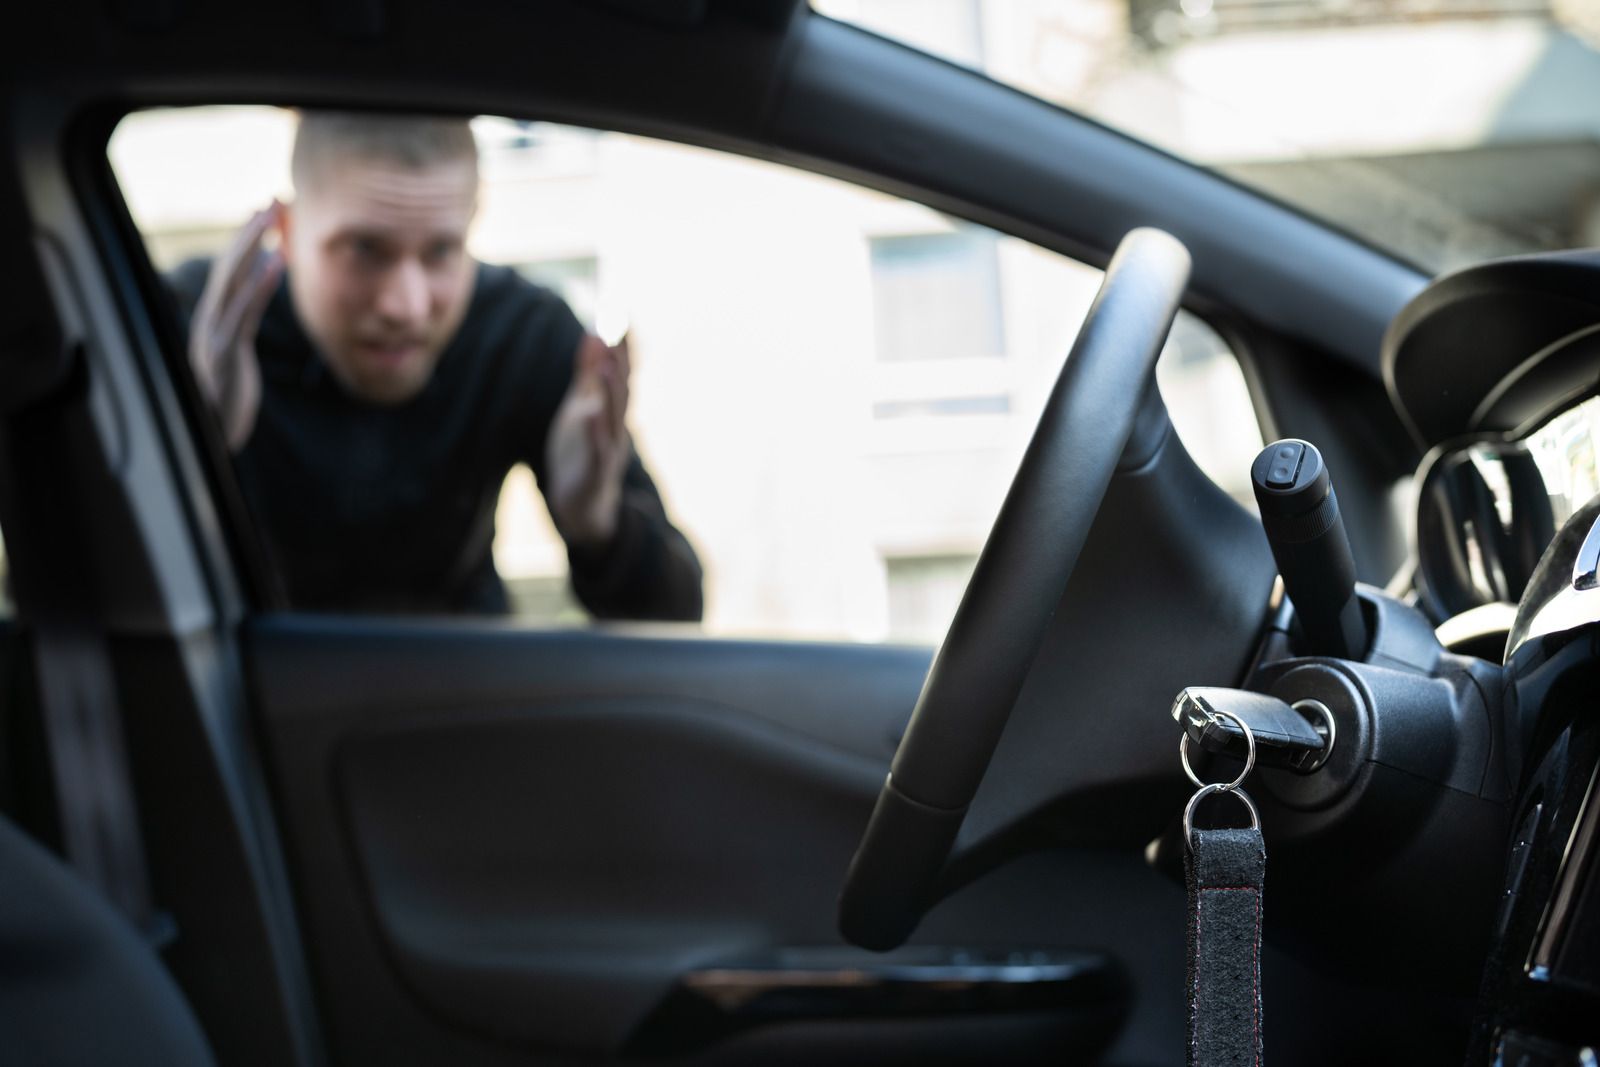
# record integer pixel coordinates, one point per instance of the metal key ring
(1249, 759)
(1207, 790)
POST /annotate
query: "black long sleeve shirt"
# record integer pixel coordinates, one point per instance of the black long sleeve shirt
(392, 509)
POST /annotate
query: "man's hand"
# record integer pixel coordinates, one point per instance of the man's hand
(222, 334)
(588, 447)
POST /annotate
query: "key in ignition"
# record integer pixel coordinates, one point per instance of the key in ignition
(1284, 736)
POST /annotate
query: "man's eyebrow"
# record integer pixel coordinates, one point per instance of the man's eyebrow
(387, 235)
(371, 233)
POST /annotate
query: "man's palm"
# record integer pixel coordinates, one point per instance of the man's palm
(222, 335)
(588, 448)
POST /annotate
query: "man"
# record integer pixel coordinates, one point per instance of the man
(376, 384)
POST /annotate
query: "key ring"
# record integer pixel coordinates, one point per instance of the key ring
(1207, 790)
(1249, 759)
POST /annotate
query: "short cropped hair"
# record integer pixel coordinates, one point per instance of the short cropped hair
(410, 141)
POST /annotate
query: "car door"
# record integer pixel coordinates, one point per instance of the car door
(591, 840)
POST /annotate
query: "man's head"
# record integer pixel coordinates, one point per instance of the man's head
(375, 244)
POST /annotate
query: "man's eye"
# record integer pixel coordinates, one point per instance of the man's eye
(367, 250)
(440, 252)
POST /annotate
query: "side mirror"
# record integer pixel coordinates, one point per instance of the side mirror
(1484, 517)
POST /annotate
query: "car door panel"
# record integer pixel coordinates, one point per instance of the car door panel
(557, 853)
(510, 845)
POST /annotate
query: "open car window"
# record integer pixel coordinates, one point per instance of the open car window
(829, 388)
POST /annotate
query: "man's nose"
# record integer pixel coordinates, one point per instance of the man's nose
(403, 296)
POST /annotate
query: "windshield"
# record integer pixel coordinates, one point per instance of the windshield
(1445, 131)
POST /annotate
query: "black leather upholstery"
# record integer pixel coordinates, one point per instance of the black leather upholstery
(78, 985)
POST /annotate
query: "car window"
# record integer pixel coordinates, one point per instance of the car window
(829, 388)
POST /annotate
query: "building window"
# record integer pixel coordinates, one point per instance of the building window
(937, 296)
(943, 405)
(924, 592)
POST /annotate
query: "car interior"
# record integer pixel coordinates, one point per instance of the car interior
(234, 832)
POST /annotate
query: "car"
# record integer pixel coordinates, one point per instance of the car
(245, 833)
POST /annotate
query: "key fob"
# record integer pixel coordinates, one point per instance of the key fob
(1284, 738)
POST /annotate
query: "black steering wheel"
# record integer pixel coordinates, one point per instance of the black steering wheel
(1019, 580)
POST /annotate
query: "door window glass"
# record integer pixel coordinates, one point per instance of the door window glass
(829, 388)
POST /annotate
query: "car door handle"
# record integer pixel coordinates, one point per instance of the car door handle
(844, 983)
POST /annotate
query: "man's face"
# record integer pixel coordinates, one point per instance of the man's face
(379, 272)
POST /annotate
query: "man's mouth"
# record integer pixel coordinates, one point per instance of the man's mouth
(389, 352)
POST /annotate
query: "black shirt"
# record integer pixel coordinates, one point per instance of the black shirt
(378, 508)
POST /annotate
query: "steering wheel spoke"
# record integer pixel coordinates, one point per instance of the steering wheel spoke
(1019, 580)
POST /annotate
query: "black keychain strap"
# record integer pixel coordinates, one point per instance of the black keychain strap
(1225, 873)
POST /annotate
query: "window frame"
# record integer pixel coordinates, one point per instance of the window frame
(233, 556)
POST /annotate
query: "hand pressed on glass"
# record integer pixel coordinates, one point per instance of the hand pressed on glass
(222, 334)
(588, 447)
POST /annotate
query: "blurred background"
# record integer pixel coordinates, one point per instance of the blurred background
(1446, 131)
